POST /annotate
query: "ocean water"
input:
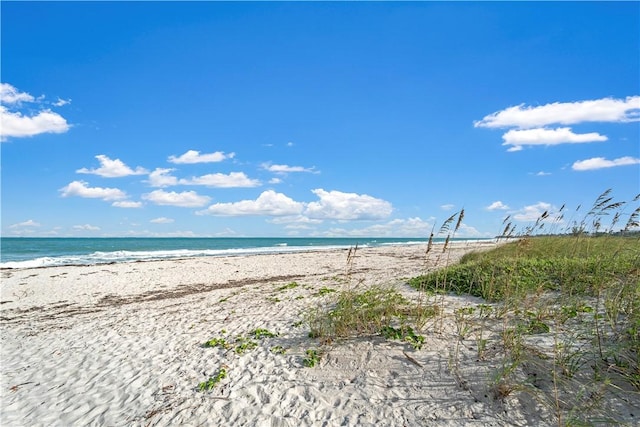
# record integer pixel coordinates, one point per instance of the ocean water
(21, 252)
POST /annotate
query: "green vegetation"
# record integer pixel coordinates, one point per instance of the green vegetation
(324, 291)
(278, 349)
(312, 358)
(405, 333)
(217, 342)
(242, 343)
(560, 319)
(291, 285)
(262, 333)
(537, 264)
(565, 313)
(213, 381)
(370, 312)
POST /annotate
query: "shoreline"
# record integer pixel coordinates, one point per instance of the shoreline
(122, 344)
(133, 253)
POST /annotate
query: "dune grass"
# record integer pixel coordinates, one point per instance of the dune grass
(565, 312)
(561, 311)
(572, 266)
(373, 311)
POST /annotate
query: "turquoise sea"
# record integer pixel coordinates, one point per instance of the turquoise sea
(22, 252)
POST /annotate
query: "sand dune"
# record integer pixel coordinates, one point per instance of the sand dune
(122, 344)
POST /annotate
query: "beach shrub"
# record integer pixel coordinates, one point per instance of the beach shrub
(324, 291)
(312, 358)
(213, 381)
(404, 333)
(361, 313)
(262, 333)
(291, 285)
(217, 342)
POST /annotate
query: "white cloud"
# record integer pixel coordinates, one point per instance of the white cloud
(86, 227)
(410, 227)
(186, 199)
(11, 95)
(80, 189)
(497, 205)
(469, 231)
(601, 163)
(14, 124)
(447, 207)
(193, 156)
(275, 181)
(160, 178)
(518, 138)
(543, 173)
(112, 168)
(565, 113)
(219, 180)
(283, 169)
(295, 219)
(347, 206)
(127, 204)
(28, 223)
(532, 213)
(268, 203)
(162, 220)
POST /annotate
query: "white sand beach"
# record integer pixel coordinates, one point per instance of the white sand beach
(122, 345)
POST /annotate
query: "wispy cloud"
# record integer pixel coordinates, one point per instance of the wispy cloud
(299, 220)
(193, 156)
(409, 227)
(127, 204)
(534, 212)
(565, 113)
(112, 168)
(185, 199)
(16, 124)
(447, 207)
(542, 173)
(601, 163)
(162, 220)
(220, 180)
(86, 227)
(269, 203)
(81, 189)
(284, 169)
(518, 138)
(62, 102)
(28, 223)
(497, 205)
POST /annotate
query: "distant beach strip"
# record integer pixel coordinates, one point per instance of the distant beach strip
(48, 252)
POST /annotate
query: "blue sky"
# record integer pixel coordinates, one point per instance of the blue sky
(313, 119)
